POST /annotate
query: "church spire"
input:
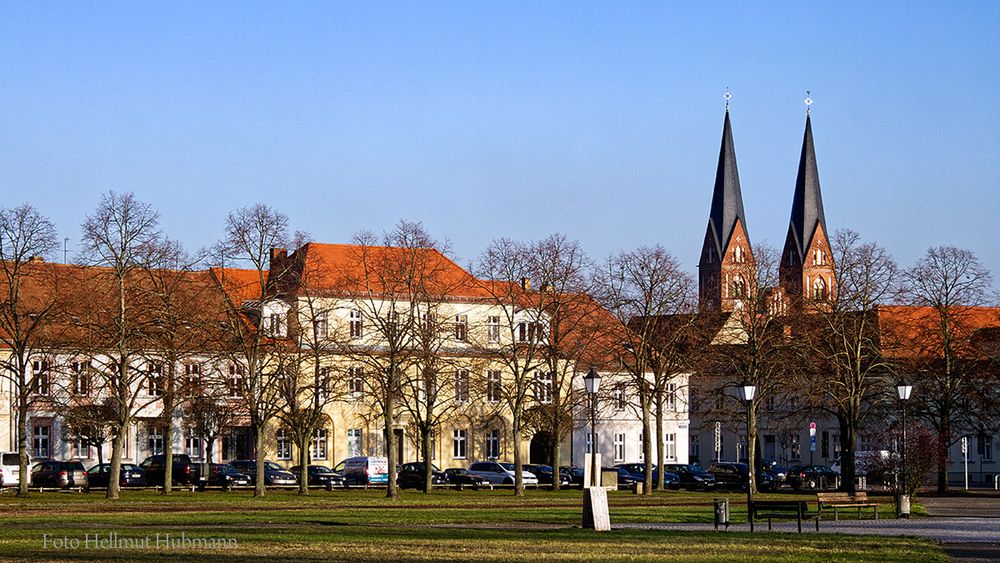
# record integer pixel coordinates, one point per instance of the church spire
(723, 274)
(807, 203)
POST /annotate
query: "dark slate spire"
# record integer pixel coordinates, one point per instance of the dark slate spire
(727, 201)
(807, 205)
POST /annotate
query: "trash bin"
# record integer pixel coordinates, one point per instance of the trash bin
(721, 512)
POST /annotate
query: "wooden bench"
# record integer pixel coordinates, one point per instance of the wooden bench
(785, 509)
(846, 500)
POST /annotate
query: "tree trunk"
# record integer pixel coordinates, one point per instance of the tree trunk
(944, 440)
(117, 446)
(425, 455)
(647, 448)
(848, 447)
(660, 435)
(752, 446)
(259, 489)
(391, 489)
(518, 472)
(22, 441)
(556, 457)
(168, 445)
(209, 446)
(304, 464)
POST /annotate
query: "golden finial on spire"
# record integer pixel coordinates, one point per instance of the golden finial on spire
(809, 101)
(727, 96)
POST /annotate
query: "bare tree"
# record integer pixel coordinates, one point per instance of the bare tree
(652, 301)
(210, 413)
(842, 330)
(92, 423)
(26, 306)
(950, 282)
(116, 237)
(255, 239)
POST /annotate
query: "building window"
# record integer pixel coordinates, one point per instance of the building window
(739, 288)
(819, 257)
(670, 401)
(320, 326)
(459, 449)
(356, 381)
(80, 449)
(670, 451)
(825, 444)
(619, 447)
(796, 449)
(642, 448)
(462, 386)
(192, 378)
(275, 325)
(694, 447)
(493, 444)
(192, 443)
(543, 387)
(739, 255)
(461, 327)
(321, 387)
(41, 377)
(493, 386)
(81, 378)
(529, 332)
(818, 289)
(354, 442)
(40, 444)
(319, 443)
(357, 324)
(590, 443)
(284, 450)
(984, 447)
(154, 441)
(618, 398)
(154, 379)
(235, 382)
(493, 329)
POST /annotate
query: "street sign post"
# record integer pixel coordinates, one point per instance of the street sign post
(965, 459)
(718, 442)
(812, 442)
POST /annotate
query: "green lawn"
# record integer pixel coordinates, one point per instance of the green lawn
(445, 525)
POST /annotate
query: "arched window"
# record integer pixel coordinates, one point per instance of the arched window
(739, 256)
(819, 289)
(739, 288)
(819, 258)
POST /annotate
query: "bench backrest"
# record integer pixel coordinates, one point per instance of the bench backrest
(841, 497)
(782, 505)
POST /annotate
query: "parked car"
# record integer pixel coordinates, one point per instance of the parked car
(129, 475)
(670, 479)
(274, 474)
(545, 476)
(692, 476)
(411, 475)
(59, 474)
(461, 477)
(811, 477)
(501, 473)
(10, 469)
(780, 473)
(574, 473)
(364, 470)
(626, 479)
(226, 476)
(320, 476)
(737, 476)
(184, 472)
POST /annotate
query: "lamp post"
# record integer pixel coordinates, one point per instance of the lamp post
(593, 383)
(903, 390)
(747, 393)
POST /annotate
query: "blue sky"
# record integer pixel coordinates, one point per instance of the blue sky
(480, 119)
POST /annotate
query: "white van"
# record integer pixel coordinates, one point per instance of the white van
(364, 470)
(10, 470)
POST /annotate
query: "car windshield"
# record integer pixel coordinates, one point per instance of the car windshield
(271, 466)
(227, 469)
(507, 466)
(320, 469)
(697, 469)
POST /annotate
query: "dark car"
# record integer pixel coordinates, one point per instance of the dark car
(626, 479)
(411, 476)
(129, 475)
(59, 474)
(321, 476)
(692, 476)
(274, 474)
(544, 474)
(811, 477)
(737, 476)
(184, 472)
(460, 477)
(780, 473)
(670, 479)
(575, 475)
(226, 476)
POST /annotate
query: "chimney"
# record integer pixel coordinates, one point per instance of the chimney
(36, 258)
(548, 287)
(278, 254)
(526, 283)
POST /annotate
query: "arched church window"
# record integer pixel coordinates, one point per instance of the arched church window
(819, 289)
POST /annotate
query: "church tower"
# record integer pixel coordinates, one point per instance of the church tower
(807, 270)
(725, 270)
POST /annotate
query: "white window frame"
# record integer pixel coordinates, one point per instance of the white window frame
(619, 451)
(461, 328)
(41, 441)
(493, 329)
(494, 381)
(544, 387)
(354, 442)
(82, 378)
(493, 444)
(154, 379)
(460, 444)
(670, 446)
(462, 383)
(154, 440)
(283, 448)
(41, 377)
(357, 324)
(356, 381)
(193, 444)
(320, 444)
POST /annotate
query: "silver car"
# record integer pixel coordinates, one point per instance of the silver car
(500, 473)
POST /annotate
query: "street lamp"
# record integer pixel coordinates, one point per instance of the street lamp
(593, 382)
(903, 390)
(747, 393)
